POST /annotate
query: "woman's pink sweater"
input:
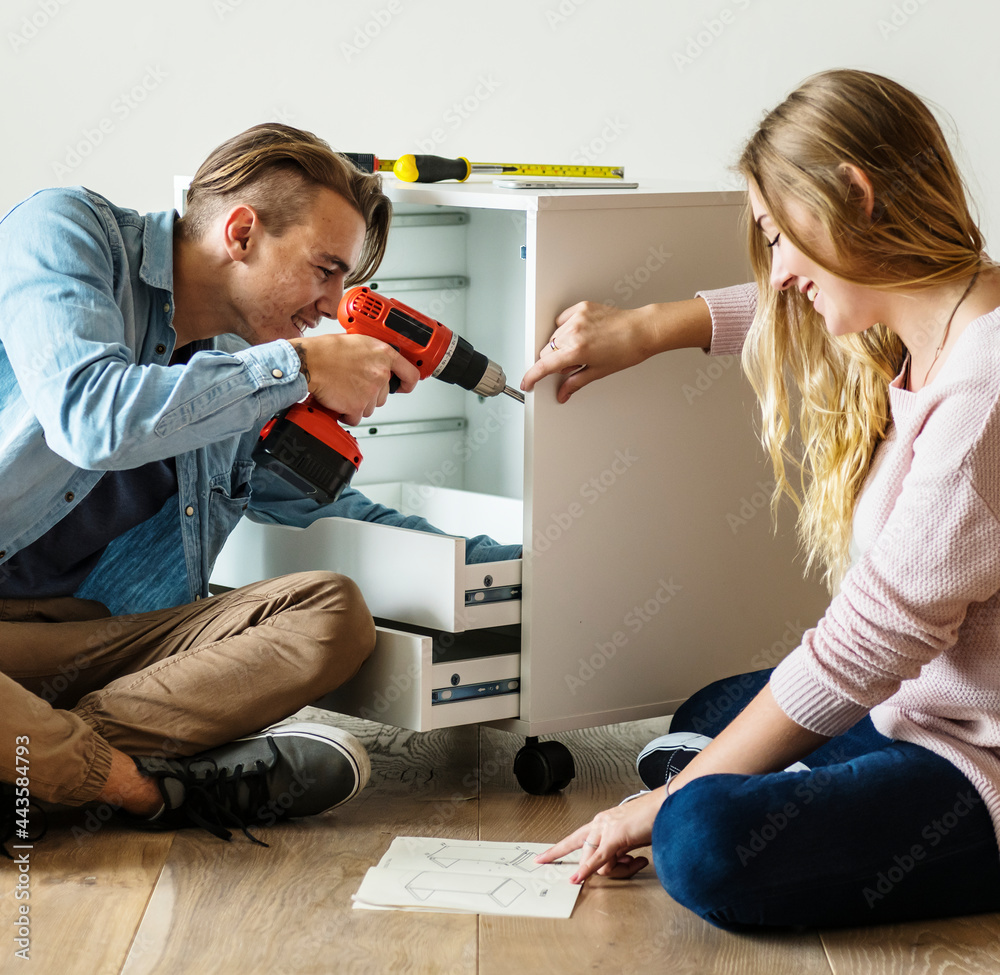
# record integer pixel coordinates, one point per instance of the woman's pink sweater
(913, 635)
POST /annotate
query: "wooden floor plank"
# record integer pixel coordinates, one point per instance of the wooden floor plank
(117, 900)
(956, 946)
(236, 907)
(90, 881)
(617, 926)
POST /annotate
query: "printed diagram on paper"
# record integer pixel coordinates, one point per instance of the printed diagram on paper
(466, 876)
(486, 855)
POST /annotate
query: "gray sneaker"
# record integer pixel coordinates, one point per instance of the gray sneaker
(285, 771)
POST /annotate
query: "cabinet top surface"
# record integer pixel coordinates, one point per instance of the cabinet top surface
(481, 192)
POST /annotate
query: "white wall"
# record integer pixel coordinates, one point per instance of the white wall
(122, 94)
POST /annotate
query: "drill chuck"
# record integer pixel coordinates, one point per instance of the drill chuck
(464, 366)
(474, 372)
(493, 382)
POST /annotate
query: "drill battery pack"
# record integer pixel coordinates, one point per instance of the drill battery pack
(311, 451)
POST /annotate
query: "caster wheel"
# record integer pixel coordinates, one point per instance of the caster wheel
(543, 767)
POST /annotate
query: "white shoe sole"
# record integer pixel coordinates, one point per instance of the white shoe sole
(676, 739)
(342, 740)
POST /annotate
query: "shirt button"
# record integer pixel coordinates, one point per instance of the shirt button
(160, 349)
(189, 511)
(70, 495)
(166, 307)
(3, 552)
(277, 373)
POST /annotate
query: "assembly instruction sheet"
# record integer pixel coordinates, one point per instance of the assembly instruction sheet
(419, 873)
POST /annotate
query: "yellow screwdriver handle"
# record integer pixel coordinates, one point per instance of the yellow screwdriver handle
(431, 169)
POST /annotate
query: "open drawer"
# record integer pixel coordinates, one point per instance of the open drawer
(423, 680)
(410, 577)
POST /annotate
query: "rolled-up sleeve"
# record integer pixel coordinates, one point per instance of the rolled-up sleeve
(71, 350)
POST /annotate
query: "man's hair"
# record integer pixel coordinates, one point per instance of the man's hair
(277, 170)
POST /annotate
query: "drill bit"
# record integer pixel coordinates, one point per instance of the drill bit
(514, 394)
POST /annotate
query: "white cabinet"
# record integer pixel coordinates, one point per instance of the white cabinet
(649, 563)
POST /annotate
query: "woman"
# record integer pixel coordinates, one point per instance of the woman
(877, 302)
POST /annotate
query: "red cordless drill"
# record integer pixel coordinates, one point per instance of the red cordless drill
(306, 445)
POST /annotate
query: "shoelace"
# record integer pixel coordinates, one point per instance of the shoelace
(213, 800)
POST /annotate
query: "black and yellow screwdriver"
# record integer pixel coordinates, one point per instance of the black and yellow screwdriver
(433, 169)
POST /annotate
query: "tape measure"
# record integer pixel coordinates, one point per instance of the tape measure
(538, 169)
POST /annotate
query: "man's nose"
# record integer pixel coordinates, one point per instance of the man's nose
(326, 306)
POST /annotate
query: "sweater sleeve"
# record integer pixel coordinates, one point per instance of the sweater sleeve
(732, 311)
(937, 554)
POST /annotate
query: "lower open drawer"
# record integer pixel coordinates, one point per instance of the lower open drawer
(421, 681)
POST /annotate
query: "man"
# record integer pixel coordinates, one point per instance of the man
(140, 357)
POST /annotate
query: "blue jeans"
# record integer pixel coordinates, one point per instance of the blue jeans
(878, 831)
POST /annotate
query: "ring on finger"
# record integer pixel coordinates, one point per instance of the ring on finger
(588, 843)
(552, 344)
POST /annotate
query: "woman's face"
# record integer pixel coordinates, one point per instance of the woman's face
(846, 307)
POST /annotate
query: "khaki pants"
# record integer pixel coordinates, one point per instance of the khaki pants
(75, 680)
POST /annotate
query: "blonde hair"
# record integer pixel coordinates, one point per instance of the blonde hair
(920, 234)
(277, 170)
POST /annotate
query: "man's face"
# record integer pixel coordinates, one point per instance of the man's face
(287, 284)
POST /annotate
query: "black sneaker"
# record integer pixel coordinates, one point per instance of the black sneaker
(285, 771)
(667, 755)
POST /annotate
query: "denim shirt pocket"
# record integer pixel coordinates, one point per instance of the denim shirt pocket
(228, 500)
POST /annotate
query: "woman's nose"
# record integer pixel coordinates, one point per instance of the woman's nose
(781, 278)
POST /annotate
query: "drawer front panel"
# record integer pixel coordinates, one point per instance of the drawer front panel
(395, 686)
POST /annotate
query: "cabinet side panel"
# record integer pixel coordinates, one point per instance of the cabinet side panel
(650, 566)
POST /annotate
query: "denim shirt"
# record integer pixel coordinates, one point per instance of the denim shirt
(86, 386)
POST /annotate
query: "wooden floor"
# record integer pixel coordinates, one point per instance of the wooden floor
(107, 899)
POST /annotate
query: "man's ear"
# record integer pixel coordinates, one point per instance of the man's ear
(241, 228)
(859, 187)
